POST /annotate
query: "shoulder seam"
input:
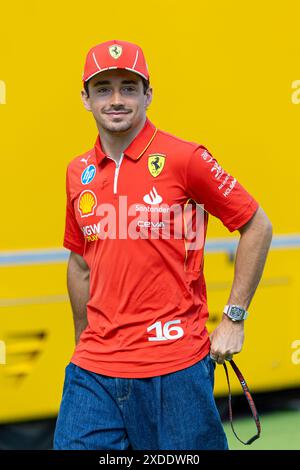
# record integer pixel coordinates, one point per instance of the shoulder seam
(189, 142)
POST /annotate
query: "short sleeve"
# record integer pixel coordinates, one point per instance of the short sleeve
(220, 193)
(73, 237)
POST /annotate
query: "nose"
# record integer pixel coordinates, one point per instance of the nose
(116, 98)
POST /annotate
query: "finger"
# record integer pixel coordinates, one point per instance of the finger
(220, 360)
(228, 357)
(214, 357)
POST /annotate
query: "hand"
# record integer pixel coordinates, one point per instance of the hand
(227, 339)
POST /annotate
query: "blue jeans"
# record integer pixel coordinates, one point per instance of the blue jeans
(175, 411)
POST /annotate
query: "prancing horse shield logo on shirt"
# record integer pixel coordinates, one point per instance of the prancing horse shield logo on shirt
(156, 163)
(115, 51)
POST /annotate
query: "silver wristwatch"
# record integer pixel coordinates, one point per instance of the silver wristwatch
(235, 312)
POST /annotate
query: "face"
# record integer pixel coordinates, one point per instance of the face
(117, 100)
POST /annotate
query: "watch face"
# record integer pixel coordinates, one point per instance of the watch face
(236, 313)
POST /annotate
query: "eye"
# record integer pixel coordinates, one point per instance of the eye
(102, 91)
(129, 89)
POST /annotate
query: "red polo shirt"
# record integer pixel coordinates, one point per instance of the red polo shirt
(147, 308)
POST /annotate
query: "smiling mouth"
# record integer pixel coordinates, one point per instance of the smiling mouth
(118, 113)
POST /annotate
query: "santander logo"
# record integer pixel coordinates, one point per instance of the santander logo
(153, 197)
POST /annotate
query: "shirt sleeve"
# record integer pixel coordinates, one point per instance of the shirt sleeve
(220, 193)
(73, 237)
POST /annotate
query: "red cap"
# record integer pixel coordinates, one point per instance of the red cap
(115, 55)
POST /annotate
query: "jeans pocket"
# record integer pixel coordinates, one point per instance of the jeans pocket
(205, 364)
(210, 366)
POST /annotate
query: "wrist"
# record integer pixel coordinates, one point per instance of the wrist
(228, 320)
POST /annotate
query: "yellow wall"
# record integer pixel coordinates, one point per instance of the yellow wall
(225, 74)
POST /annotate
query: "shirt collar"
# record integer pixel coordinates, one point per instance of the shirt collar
(136, 148)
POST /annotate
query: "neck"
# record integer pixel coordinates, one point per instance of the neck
(113, 144)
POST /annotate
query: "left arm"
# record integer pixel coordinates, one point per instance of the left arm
(256, 235)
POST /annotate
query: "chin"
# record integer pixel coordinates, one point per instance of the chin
(117, 126)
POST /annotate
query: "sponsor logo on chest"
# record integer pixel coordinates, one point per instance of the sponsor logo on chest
(156, 162)
(88, 174)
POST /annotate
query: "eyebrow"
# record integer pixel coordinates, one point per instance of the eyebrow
(107, 82)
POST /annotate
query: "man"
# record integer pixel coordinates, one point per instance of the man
(142, 372)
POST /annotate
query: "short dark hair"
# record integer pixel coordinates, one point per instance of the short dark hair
(146, 84)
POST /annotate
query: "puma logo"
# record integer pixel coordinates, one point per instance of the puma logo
(85, 160)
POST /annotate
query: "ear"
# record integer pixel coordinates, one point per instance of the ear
(85, 100)
(148, 97)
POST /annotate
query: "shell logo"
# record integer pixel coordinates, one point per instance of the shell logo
(86, 203)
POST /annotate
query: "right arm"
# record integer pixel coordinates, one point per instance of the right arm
(78, 282)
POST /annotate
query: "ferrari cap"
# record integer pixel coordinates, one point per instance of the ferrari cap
(115, 55)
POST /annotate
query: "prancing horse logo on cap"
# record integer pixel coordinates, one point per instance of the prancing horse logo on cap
(115, 51)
